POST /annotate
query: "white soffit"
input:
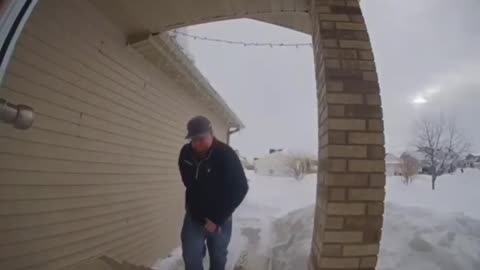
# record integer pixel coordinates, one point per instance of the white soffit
(163, 52)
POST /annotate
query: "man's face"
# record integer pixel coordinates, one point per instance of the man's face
(202, 144)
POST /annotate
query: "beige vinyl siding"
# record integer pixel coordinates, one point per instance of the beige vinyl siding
(97, 173)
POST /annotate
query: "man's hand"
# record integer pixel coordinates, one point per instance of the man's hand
(210, 226)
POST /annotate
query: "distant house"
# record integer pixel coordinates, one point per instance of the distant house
(452, 161)
(276, 163)
(423, 166)
(393, 165)
(279, 162)
(472, 161)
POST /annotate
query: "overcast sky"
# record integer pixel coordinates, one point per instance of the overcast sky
(427, 55)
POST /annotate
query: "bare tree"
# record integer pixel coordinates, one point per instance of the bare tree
(442, 144)
(297, 164)
(409, 168)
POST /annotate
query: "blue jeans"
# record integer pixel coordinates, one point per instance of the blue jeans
(196, 240)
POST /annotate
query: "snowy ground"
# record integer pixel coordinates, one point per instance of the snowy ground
(423, 229)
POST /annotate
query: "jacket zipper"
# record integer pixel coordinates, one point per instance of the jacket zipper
(198, 169)
(200, 163)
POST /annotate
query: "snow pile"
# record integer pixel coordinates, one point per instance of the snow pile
(292, 239)
(423, 229)
(415, 238)
(453, 192)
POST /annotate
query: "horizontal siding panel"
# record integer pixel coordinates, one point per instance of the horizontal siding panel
(92, 34)
(9, 193)
(28, 221)
(41, 84)
(38, 206)
(54, 137)
(83, 116)
(43, 78)
(121, 243)
(146, 252)
(15, 146)
(44, 231)
(48, 123)
(40, 105)
(35, 178)
(29, 247)
(82, 75)
(26, 163)
(91, 246)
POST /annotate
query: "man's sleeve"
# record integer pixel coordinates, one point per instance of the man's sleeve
(182, 167)
(236, 188)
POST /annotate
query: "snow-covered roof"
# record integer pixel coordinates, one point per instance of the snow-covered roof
(417, 155)
(392, 159)
(170, 57)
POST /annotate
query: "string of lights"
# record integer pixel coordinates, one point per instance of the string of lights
(241, 43)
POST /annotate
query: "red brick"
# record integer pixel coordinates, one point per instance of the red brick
(347, 151)
(333, 17)
(372, 236)
(375, 209)
(351, 10)
(337, 137)
(337, 165)
(366, 194)
(344, 74)
(366, 138)
(363, 222)
(347, 180)
(343, 237)
(334, 86)
(366, 55)
(327, 25)
(355, 44)
(360, 85)
(373, 99)
(351, 26)
(345, 98)
(363, 111)
(375, 125)
(376, 152)
(337, 194)
(341, 54)
(339, 263)
(336, 110)
(366, 165)
(370, 76)
(334, 222)
(360, 250)
(332, 250)
(351, 209)
(358, 64)
(346, 124)
(377, 180)
(368, 263)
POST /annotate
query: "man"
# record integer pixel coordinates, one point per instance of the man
(215, 186)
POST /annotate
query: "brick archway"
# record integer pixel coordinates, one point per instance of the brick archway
(350, 194)
(351, 179)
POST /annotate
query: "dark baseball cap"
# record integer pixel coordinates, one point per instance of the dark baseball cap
(198, 126)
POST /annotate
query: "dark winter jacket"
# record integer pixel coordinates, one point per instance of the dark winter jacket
(215, 185)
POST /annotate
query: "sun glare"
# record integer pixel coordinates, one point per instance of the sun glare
(419, 100)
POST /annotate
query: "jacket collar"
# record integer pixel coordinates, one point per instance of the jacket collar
(214, 145)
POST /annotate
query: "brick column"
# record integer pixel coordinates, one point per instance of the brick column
(351, 179)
